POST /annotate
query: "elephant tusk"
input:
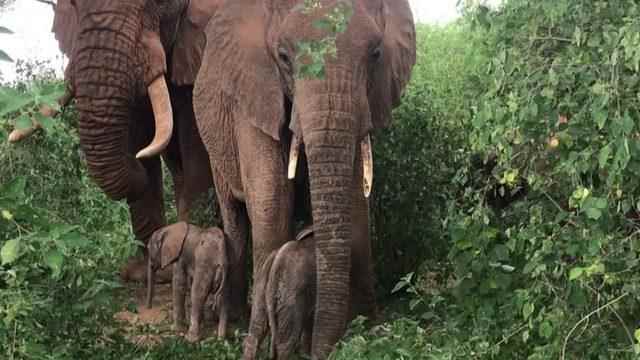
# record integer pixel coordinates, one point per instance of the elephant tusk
(19, 135)
(367, 163)
(163, 115)
(294, 152)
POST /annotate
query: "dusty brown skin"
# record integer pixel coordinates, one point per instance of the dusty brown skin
(288, 298)
(198, 257)
(120, 52)
(245, 118)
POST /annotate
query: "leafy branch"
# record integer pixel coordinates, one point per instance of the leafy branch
(312, 55)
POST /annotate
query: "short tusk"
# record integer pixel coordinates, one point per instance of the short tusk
(163, 115)
(367, 163)
(294, 152)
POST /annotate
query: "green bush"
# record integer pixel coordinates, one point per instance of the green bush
(416, 158)
(543, 231)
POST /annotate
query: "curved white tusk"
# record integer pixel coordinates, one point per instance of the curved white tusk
(163, 115)
(294, 152)
(367, 164)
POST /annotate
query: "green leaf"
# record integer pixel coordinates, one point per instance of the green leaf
(603, 157)
(54, 260)
(46, 122)
(74, 240)
(545, 330)
(600, 117)
(23, 122)
(7, 215)
(527, 310)
(15, 189)
(636, 334)
(399, 286)
(11, 100)
(5, 57)
(575, 273)
(10, 251)
(593, 213)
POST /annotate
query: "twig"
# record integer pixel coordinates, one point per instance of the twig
(536, 38)
(626, 329)
(48, 2)
(566, 339)
(505, 339)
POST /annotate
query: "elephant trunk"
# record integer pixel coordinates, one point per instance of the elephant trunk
(106, 81)
(330, 155)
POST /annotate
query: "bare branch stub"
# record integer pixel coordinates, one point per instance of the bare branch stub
(48, 2)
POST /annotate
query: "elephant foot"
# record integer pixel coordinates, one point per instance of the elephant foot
(192, 336)
(136, 271)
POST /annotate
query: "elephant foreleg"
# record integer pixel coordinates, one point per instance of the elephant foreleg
(179, 292)
(269, 198)
(236, 229)
(200, 288)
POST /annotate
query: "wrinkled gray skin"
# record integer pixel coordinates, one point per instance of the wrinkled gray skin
(197, 255)
(251, 108)
(288, 298)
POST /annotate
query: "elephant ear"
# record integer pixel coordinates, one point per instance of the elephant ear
(399, 56)
(172, 243)
(190, 42)
(65, 25)
(239, 74)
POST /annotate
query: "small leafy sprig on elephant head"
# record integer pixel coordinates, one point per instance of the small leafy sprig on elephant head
(312, 54)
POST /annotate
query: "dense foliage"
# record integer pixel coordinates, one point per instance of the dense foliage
(505, 209)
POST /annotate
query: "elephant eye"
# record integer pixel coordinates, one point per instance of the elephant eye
(376, 53)
(283, 55)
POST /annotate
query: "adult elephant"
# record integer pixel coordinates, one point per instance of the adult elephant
(261, 109)
(132, 68)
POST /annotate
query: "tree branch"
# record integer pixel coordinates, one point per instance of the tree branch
(48, 2)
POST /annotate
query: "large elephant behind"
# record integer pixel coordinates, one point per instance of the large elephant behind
(260, 109)
(132, 68)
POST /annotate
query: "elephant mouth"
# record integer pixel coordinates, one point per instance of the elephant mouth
(366, 159)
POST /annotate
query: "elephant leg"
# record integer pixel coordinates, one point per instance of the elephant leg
(179, 293)
(307, 335)
(362, 274)
(236, 228)
(200, 288)
(192, 173)
(290, 327)
(223, 311)
(269, 199)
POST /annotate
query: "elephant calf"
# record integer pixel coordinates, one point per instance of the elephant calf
(288, 294)
(196, 254)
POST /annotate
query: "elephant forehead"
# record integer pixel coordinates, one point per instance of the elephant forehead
(361, 29)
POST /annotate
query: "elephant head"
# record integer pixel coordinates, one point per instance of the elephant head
(165, 247)
(257, 42)
(123, 51)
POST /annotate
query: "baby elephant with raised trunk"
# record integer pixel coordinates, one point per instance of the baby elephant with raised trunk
(200, 256)
(288, 298)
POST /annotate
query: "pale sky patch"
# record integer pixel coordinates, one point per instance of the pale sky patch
(31, 22)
